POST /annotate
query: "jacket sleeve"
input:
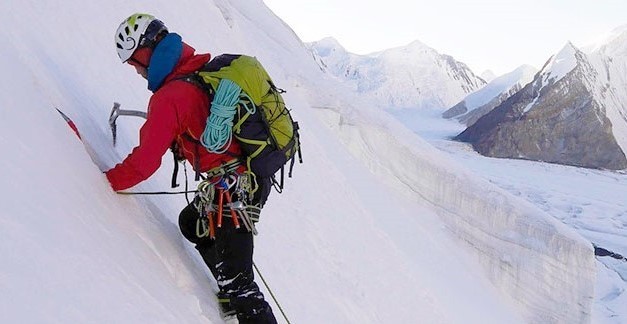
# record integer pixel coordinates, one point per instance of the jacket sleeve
(155, 137)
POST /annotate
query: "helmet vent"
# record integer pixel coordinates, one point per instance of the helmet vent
(138, 30)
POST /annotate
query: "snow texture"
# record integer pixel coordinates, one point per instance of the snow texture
(377, 226)
(610, 60)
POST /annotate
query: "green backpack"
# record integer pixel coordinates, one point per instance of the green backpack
(247, 106)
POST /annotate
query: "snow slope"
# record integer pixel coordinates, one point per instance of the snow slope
(610, 59)
(491, 95)
(377, 226)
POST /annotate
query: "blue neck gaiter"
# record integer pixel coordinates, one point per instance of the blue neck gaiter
(163, 60)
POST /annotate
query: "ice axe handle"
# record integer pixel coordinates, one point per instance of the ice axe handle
(114, 115)
(135, 113)
(116, 112)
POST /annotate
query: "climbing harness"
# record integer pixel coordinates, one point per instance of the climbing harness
(224, 190)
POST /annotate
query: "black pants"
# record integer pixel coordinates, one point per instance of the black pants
(230, 260)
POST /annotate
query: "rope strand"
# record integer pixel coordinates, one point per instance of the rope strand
(156, 192)
(271, 293)
(218, 135)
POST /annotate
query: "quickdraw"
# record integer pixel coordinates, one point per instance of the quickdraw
(224, 190)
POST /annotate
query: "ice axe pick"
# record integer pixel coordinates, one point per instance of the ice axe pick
(116, 112)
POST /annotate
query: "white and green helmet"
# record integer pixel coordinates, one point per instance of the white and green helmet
(138, 30)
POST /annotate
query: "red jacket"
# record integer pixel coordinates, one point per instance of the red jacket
(176, 109)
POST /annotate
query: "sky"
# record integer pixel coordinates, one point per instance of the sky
(499, 35)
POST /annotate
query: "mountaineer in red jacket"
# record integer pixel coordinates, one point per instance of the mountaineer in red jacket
(176, 117)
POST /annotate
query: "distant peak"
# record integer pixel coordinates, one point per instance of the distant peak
(569, 46)
(328, 42)
(612, 43)
(561, 63)
(488, 75)
(417, 43)
(616, 33)
(328, 46)
(524, 73)
(526, 68)
(566, 53)
(413, 47)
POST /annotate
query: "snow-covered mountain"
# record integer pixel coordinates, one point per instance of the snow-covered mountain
(482, 101)
(377, 226)
(488, 75)
(412, 76)
(574, 112)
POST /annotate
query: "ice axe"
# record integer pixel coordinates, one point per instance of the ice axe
(116, 112)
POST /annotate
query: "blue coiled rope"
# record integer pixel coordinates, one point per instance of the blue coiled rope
(218, 132)
(217, 136)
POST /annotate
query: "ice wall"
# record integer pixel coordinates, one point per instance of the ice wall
(546, 267)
